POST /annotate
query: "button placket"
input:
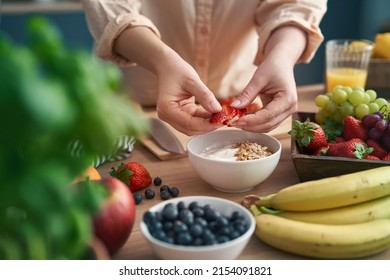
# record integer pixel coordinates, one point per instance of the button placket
(202, 38)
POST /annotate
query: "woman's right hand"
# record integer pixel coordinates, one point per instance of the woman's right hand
(179, 85)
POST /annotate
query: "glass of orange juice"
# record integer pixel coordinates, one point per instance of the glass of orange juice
(347, 62)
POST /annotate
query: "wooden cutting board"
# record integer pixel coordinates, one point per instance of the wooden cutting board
(279, 133)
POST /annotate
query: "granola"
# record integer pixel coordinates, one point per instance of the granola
(249, 150)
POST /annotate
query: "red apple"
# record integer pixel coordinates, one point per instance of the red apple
(114, 222)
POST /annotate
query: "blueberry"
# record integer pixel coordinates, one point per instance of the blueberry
(234, 234)
(241, 228)
(154, 227)
(159, 216)
(193, 205)
(169, 239)
(224, 231)
(165, 195)
(149, 193)
(213, 226)
(137, 198)
(208, 237)
(183, 238)
(174, 191)
(167, 226)
(222, 238)
(198, 211)
(236, 216)
(181, 205)
(196, 230)
(159, 234)
(171, 233)
(222, 221)
(149, 217)
(211, 214)
(197, 241)
(170, 212)
(186, 216)
(157, 181)
(200, 221)
(164, 188)
(179, 226)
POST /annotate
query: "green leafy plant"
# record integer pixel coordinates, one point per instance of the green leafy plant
(49, 96)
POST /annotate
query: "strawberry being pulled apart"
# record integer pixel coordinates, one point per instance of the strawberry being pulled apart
(309, 136)
(228, 115)
(133, 174)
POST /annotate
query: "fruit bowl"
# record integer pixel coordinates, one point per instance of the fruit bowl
(310, 167)
(195, 249)
(227, 175)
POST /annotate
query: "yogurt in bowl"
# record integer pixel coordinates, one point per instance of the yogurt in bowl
(213, 158)
(238, 152)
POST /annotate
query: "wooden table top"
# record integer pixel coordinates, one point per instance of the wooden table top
(178, 172)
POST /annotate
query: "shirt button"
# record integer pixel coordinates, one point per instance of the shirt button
(204, 30)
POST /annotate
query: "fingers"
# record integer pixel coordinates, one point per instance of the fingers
(249, 93)
(190, 120)
(269, 117)
(261, 121)
(206, 98)
(191, 125)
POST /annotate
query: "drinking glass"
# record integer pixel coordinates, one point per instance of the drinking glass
(347, 62)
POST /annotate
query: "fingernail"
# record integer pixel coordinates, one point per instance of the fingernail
(241, 123)
(215, 106)
(235, 103)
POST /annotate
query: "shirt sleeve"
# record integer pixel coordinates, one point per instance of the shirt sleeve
(108, 18)
(305, 14)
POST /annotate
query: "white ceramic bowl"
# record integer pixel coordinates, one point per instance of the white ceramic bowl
(232, 176)
(224, 251)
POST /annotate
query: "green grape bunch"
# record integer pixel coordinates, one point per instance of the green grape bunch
(345, 101)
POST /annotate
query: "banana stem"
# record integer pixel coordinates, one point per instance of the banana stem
(271, 211)
(255, 211)
(265, 200)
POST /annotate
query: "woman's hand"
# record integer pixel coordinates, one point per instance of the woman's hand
(178, 83)
(273, 82)
(178, 86)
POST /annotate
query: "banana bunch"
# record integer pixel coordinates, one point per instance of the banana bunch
(342, 217)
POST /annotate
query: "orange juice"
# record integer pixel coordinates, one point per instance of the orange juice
(345, 77)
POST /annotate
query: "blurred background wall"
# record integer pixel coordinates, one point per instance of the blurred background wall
(357, 19)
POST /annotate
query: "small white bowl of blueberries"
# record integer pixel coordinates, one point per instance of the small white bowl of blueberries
(198, 228)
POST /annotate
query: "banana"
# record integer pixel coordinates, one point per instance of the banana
(324, 241)
(329, 192)
(358, 213)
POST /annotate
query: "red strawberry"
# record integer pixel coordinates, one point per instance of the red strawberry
(321, 151)
(309, 135)
(386, 157)
(378, 151)
(354, 148)
(133, 174)
(339, 139)
(354, 128)
(228, 116)
(371, 157)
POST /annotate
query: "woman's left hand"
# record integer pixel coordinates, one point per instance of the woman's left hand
(274, 83)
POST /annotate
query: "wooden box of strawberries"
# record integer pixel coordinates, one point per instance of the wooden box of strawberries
(326, 162)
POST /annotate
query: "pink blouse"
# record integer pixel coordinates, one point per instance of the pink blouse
(222, 40)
